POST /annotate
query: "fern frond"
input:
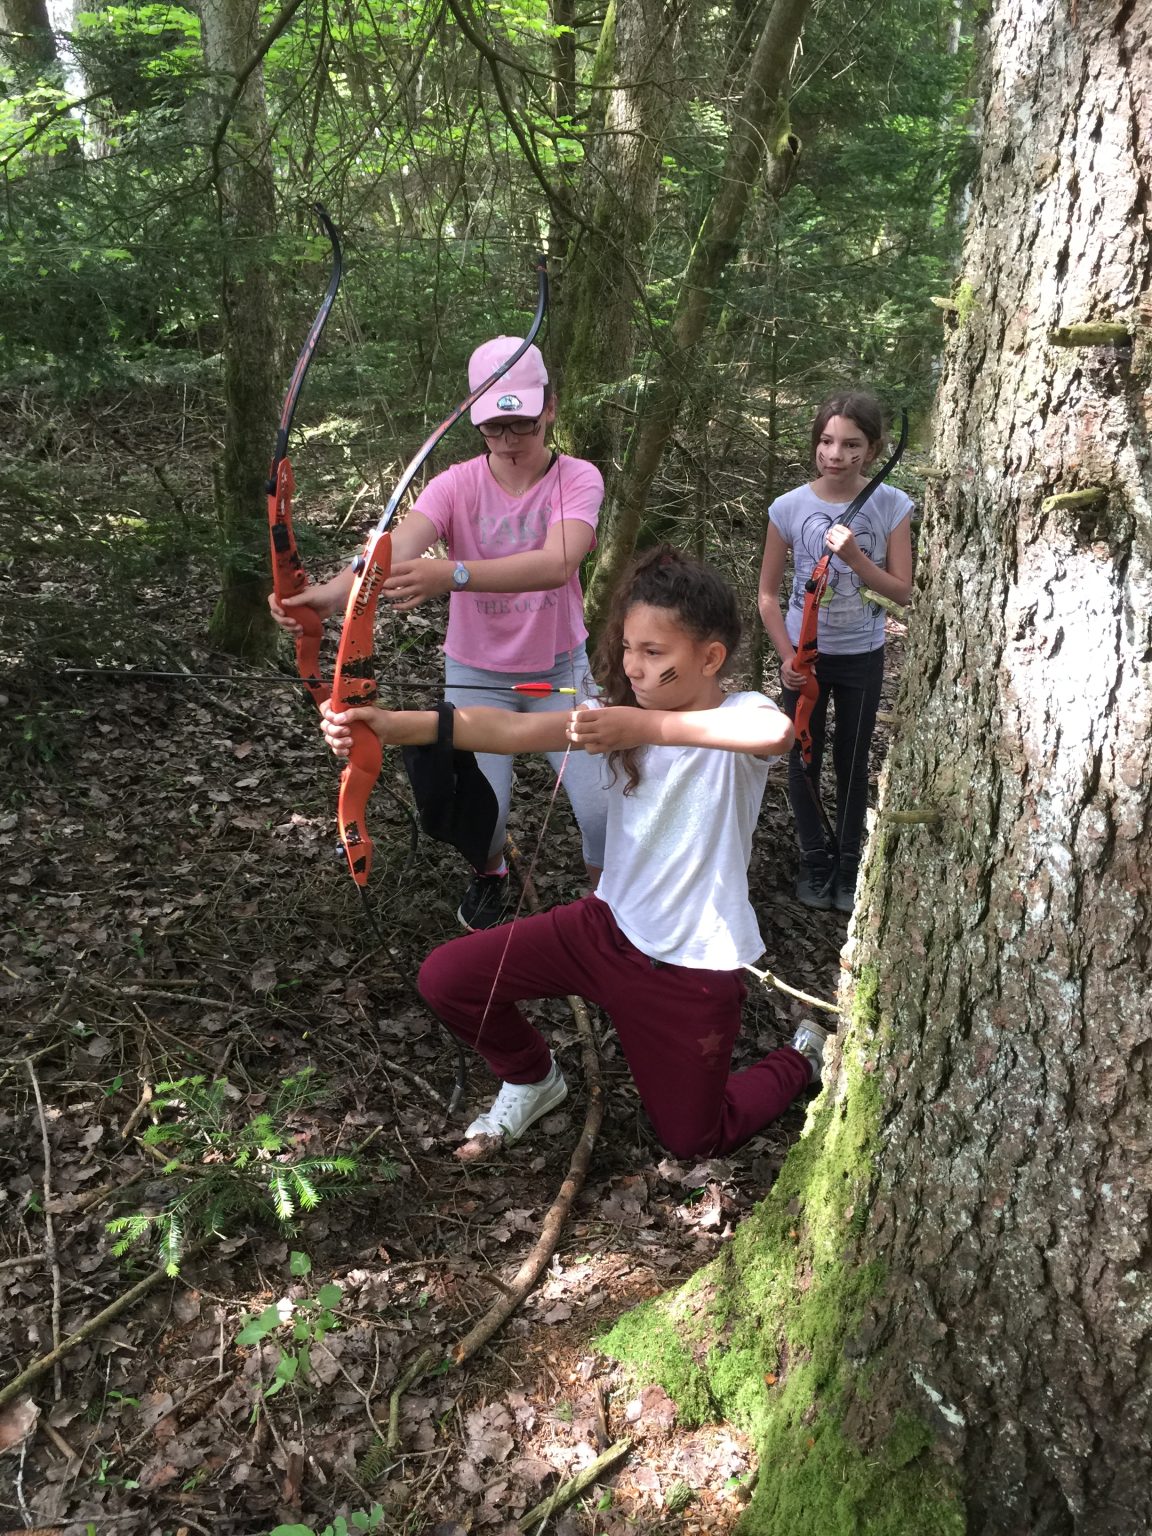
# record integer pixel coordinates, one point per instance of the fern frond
(374, 1463)
(171, 1241)
(133, 1227)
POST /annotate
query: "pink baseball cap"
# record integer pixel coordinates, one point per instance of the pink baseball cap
(520, 392)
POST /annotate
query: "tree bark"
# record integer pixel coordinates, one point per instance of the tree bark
(601, 288)
(241, 625)
(29, 43)
(941, 1318)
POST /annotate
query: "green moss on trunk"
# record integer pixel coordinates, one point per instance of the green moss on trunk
(758, 1337)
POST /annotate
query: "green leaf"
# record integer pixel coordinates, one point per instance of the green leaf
(299, 1264)
(257, 1328)
(329, 1295)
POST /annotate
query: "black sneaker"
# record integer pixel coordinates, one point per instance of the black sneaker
(844, 889)
(814, 887)
(486, 902)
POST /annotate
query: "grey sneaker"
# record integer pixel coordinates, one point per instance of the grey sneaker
(809, 1040)
(519, 1105)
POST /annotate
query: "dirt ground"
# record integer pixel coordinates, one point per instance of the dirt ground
(173, 911)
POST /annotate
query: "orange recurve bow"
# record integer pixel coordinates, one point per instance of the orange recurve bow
(288, 574)
(354, 680)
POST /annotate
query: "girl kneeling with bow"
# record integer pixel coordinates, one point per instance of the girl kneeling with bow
(661, 943)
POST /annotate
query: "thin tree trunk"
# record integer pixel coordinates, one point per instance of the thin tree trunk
(602, 290)
(760, 135)
(241, 624)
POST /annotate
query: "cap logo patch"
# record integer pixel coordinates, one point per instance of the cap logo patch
(508, 403)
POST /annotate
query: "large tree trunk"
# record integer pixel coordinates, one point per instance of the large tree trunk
(943, 1312)
(29, 45)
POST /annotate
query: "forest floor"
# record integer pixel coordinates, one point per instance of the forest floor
(173, 911)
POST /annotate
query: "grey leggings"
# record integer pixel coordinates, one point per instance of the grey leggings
(585, 779)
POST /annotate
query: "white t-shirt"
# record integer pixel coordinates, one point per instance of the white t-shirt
(847, 625)
(677, 852)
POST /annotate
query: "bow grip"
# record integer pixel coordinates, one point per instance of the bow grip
(354, 685)
(356, 782)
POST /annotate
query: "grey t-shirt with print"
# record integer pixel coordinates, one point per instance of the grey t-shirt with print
(848, 625)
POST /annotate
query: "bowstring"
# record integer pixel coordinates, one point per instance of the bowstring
(838, 829)
(527, 883)
(368, 410)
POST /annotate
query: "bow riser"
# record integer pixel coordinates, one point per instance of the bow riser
(354, 683)
(355, 686)
(805, 657)
(289, 578)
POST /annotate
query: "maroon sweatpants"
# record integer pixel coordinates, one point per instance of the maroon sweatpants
(676, 1026)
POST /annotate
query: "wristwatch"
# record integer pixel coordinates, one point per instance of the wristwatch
(461, 575)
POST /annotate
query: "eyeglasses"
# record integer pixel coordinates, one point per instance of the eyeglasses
(519, 428)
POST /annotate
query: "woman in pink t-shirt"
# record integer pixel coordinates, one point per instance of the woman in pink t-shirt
(517, 520)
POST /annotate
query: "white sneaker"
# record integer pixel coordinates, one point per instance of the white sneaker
(809, 1040)
(519, 1105)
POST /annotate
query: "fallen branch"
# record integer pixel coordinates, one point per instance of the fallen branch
(93, 1325)
(26, 1258)
(539, 1258)
(545, 1246)
(49, 1227)
(562, 1496)
(537, 1261)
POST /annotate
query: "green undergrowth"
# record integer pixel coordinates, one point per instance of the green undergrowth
(757, 1338)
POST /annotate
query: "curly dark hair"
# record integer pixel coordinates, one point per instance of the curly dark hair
(858, 406)
(703, 603)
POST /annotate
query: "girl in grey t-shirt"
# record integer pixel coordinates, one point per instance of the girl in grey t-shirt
(875, 552)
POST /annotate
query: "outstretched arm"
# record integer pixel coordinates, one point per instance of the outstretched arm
(474, 729)
(757, 729)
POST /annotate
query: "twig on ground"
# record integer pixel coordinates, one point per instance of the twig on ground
(59, 1441)
(770, 980)
(423, 1361)
(49, 1228)
(27, 1258)
(538, 1259)
(66, 990)
(93, 1325)
(137, 1114)
(106, 1191)
(414, 1077)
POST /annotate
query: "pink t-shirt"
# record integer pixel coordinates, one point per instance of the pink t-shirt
(479, 520)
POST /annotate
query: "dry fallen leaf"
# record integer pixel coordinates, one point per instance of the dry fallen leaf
(17, 1422)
